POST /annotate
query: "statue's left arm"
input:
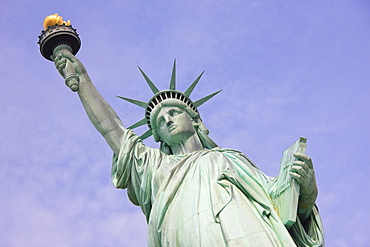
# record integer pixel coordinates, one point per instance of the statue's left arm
(302, 171)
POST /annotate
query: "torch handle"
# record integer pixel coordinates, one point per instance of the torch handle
(70, 75)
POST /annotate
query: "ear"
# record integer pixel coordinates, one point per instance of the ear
(196, 122)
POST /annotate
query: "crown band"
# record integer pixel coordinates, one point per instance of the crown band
(166, 95)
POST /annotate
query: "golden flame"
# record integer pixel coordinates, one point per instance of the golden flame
(53, 20)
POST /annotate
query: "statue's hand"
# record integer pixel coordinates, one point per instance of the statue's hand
(65, 57)
(302, 171)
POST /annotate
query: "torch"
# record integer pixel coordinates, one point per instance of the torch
(58, 36)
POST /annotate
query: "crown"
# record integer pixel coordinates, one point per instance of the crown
(168, 97)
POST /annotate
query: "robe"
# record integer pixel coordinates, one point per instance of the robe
(206, 198)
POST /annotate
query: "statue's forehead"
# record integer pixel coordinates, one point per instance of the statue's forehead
(165, 110)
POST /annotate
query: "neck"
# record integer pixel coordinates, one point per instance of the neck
(189, 145)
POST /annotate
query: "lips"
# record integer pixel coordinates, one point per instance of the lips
(171, 128)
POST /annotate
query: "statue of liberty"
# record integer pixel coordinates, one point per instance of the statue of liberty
(192, 192)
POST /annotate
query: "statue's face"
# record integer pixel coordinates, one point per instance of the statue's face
(174, 125)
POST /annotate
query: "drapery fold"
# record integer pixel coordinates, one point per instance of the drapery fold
(212, 197)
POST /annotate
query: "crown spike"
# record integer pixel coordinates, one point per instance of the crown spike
(193, 85)
(138, 124)
(173, 76)
(201, 101)
(146, 134)
(150, 83)
(160, 96)
(134, 101)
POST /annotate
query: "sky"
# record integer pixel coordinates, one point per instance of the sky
(288, 69)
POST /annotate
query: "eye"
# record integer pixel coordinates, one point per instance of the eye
(160, 122)
(173, 113)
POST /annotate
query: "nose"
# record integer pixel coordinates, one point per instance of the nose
(168, 120)
(169, 123)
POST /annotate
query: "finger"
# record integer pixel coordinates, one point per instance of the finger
(67, 54)
(59, 60)
(60, 65)
(299, 170)
(297, 177)
(305, 158)
(56, 58)
(301, 156)
(302, 164)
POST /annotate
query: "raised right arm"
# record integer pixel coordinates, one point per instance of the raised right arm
(100, 113)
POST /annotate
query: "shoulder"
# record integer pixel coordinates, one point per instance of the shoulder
(232, 153)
